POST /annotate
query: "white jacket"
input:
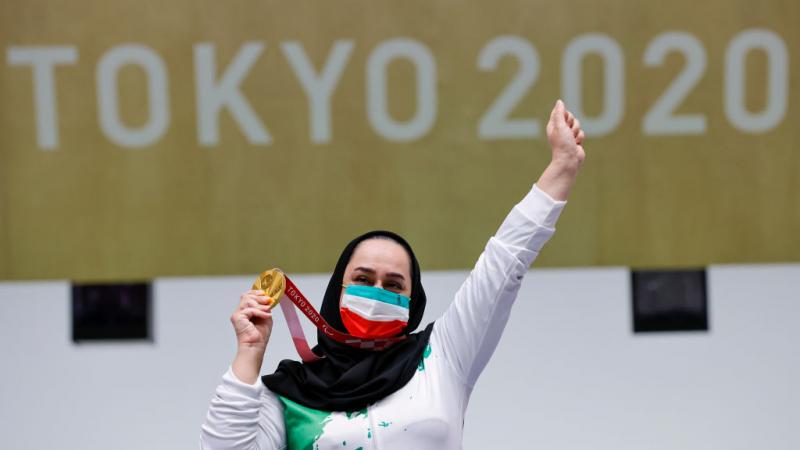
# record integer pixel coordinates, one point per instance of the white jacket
(426, 413)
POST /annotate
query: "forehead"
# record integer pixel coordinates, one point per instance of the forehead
(381, 254)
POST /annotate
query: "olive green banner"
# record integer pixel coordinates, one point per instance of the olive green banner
(144, 139)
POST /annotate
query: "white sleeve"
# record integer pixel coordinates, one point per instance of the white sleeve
(472, 325)
(243, 416)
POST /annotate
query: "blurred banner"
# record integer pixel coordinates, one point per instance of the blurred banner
(148, 138)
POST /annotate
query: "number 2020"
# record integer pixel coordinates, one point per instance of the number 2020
(661, 118)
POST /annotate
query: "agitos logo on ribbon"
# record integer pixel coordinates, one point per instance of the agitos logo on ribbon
(278, 286)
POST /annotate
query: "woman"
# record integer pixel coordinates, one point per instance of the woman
(412, 395)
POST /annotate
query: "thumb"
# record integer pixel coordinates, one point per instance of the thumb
(558, 113)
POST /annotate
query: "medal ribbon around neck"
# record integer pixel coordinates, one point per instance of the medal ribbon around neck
(278, 286)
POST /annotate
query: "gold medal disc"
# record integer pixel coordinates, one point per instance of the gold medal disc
(273, 283)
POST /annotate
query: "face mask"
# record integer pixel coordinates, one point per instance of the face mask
(371, 312)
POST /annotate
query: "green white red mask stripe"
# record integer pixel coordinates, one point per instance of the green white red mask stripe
(293, 294)
(375, 304)
(371, 312)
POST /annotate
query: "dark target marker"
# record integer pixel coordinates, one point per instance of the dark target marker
(669, 300)
(111, 312)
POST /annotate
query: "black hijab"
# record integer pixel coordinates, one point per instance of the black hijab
(349, 378)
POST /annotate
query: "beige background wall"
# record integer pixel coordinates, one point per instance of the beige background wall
(118, 172)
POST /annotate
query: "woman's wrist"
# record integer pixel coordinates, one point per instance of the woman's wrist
(247, 363)
(558, 178)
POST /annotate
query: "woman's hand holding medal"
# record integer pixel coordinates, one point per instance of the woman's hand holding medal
(252, 322)
(252, 319)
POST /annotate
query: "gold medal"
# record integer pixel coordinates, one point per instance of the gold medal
(273, 283)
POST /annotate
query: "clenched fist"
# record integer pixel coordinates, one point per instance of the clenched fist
(566, 143)
(565, 136)
(252, 320)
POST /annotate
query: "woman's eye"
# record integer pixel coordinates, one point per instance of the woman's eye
(361, 279)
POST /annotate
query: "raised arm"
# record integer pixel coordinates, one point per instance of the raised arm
(470, 329)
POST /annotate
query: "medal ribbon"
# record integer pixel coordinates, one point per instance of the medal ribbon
(298, 337)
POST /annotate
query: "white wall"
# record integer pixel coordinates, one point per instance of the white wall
(569, 374)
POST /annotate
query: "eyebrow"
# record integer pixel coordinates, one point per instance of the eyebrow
(372, 272)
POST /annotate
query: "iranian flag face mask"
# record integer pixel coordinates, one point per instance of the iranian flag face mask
(371, 312)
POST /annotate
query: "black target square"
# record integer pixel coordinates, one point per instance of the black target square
(669, 300)
(111, 311)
